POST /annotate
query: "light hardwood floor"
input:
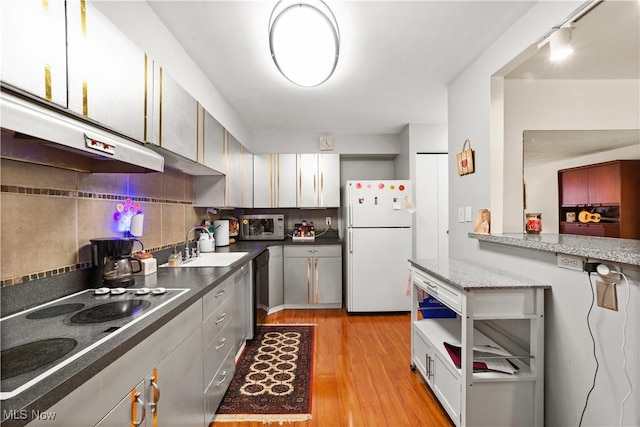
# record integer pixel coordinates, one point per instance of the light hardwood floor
(362, 374)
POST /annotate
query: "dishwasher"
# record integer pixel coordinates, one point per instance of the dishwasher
(261, 289)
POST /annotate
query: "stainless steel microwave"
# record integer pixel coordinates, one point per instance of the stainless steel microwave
(262, 227)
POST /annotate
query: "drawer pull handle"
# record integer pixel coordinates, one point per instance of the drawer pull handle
(221, 318)
(156, 394)
(430, 287)
(224, 377)
(222, 292)
(138, 402)
(223, 342)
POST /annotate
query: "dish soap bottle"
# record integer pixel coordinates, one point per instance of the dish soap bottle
(175, 259)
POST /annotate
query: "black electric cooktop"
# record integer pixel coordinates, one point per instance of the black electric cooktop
(39, 341)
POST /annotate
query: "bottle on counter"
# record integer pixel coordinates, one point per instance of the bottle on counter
(175, 259)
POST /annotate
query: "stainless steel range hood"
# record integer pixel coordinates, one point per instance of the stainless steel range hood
(36, 133)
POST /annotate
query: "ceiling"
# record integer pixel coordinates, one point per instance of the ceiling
(396, 60)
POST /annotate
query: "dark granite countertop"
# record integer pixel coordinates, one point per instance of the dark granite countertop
(199, 281)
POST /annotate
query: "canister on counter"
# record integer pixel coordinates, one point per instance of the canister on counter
(533, 223)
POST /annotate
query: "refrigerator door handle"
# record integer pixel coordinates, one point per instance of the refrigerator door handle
(350, 241)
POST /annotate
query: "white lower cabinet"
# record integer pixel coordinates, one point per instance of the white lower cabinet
(169, 395)
(225, 329)
(480, 397)
(313, 276)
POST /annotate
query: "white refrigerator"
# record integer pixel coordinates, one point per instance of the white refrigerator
(377, 215)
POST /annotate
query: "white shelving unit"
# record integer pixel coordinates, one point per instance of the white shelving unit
(479, 295)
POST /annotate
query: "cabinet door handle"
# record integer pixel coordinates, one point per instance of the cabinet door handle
(430, 287)
(155, 394)
(223, 341)
(222, 292)
(137, 401)
(221, 318)
(224, 377)
(317, 287)
(429, 366)
(308, 280)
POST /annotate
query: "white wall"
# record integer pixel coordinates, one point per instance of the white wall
(569, 364)
(281, 142)
(553, 105)
(353, 169)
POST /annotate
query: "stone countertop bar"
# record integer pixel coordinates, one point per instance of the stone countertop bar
(467, 275)
(624, 251)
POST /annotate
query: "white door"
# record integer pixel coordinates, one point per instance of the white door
(379, 203)
(432, 206)
(378, 269)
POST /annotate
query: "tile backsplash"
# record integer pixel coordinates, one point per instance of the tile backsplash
(48, 215)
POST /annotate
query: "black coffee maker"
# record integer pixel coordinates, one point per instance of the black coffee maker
(112, 262)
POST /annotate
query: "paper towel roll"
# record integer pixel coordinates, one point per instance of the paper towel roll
(221, 232)
(136, 225)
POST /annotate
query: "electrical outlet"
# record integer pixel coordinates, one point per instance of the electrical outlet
(607, 295)
(570, 261)
(327, 220)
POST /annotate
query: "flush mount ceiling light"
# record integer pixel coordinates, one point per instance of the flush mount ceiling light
(304, 41)
(560, 44)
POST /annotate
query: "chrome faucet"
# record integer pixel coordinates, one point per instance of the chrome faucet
(196, 252)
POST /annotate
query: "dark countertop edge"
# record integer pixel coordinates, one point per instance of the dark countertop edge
(51, 390)
(601, 248)
(488, 271)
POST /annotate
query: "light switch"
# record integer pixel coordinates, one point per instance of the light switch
(467, 213)
(461, 214)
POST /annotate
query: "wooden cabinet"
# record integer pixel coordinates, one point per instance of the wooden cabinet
(274, 181)
(573, 187)
(34, 57)
(313, 276)
(110, 79)
(609, 189)
(318, 180)
(473, 397)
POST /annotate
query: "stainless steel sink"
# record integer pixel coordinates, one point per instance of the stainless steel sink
(212, 259)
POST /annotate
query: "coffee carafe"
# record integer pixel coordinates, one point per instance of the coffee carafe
(112, 261)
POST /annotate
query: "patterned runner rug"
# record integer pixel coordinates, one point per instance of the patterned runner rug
(273, 376)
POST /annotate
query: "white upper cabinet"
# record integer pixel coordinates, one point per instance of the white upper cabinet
(318, 180)
(212, 137)
(109, 77)
(33, 50)
(274, 181)
(239, 174)
(175, 116)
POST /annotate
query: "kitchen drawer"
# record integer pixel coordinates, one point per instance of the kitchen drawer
(214, 324)
(445, 293)
(313, 251)
(213, 300)
(217, 388)
(214, 354)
